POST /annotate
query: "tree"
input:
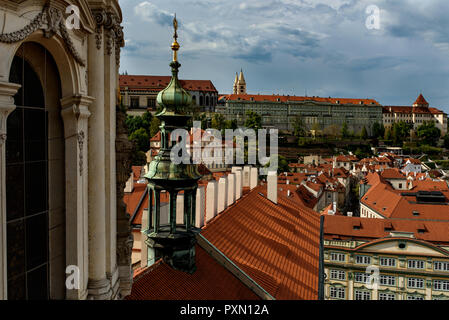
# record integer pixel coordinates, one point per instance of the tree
(253, 120)
(344, 130)
(218, 121)
(141, 139)
(388, 135)
(364, 134)
(299, 127)
(446, 141)
(428, 133)
(154, 126)
(378, 130)
(282, 164)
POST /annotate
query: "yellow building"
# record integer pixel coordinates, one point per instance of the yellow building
(376, 259)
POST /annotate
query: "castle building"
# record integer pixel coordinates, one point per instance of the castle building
(319, 114)
(417, 114)
(63, 152)
(139, 92)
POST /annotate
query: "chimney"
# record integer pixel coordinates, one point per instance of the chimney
(287, 181)
(129, 187)
(253, 178)
(238, 184)
(246, 173)
(222, 194)
(231, 189)
(334, 206)
(349, 214)
(272, 188)
(200, 203)
(211, 200)
(288, 193)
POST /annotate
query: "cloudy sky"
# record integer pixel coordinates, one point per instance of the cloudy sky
(322, 47)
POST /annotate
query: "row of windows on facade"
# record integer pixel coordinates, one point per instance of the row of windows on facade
(389, 280)
(340, 293)
(391, 262)
(151, 102)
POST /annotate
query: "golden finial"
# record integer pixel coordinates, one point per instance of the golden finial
(175, 45)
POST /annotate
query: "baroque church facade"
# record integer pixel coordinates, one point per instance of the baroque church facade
(63, 152)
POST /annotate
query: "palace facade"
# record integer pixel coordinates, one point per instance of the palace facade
(64, 152)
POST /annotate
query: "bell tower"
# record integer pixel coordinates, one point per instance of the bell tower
(175, 241)
(241, 84)
(236, 82)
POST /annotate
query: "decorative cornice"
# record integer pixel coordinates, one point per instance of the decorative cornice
(80, 138)
(52, 18)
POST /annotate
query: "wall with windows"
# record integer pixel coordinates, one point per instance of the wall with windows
(407, 269)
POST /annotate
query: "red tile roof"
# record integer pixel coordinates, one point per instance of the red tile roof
(160, 82)
(275, 244)
(435, 231)
(420, 101)
(408, 109)
(392, 173)
(210, 281)
(275, 98)
(134, 200)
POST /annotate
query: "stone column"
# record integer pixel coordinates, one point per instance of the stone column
(75, 114)
(7, 92)
(222, 194)
(200, 204)
(211, 200)
(231, 189)
(99, 285)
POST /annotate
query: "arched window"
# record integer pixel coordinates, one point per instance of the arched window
(35, 135)
(207, 100)
(194, 100)
(201, 100)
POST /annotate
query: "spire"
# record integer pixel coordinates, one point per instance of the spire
(241, 78)
(236, 82)
(174, 98)
(173, 241)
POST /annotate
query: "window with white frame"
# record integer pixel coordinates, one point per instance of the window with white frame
(387, 280)
(336, 256)
(416, 264)
(362, 295)
(441, 285)
(337, 274)
(361, 277)
(387, 296)
(387, 262)
(363, 259)
(416, 283)
(415, 297)
(336, 292)
(441, 266)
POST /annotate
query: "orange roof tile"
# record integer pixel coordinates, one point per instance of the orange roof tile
(210, 281)
(278, 98)
(275, 244)
(436, 231)
(160, 82)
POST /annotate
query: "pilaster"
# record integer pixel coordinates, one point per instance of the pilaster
(75, 114)
(7, 92)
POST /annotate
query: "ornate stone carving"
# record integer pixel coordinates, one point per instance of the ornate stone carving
(2, 138)
(80, 146)
(52, 18)
(21, 34)
(113, 32)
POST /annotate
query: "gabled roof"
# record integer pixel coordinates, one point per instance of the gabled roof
(277, 245)
(210, 281)
(420, 101)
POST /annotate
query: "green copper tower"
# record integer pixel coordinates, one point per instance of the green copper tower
(175, 241)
